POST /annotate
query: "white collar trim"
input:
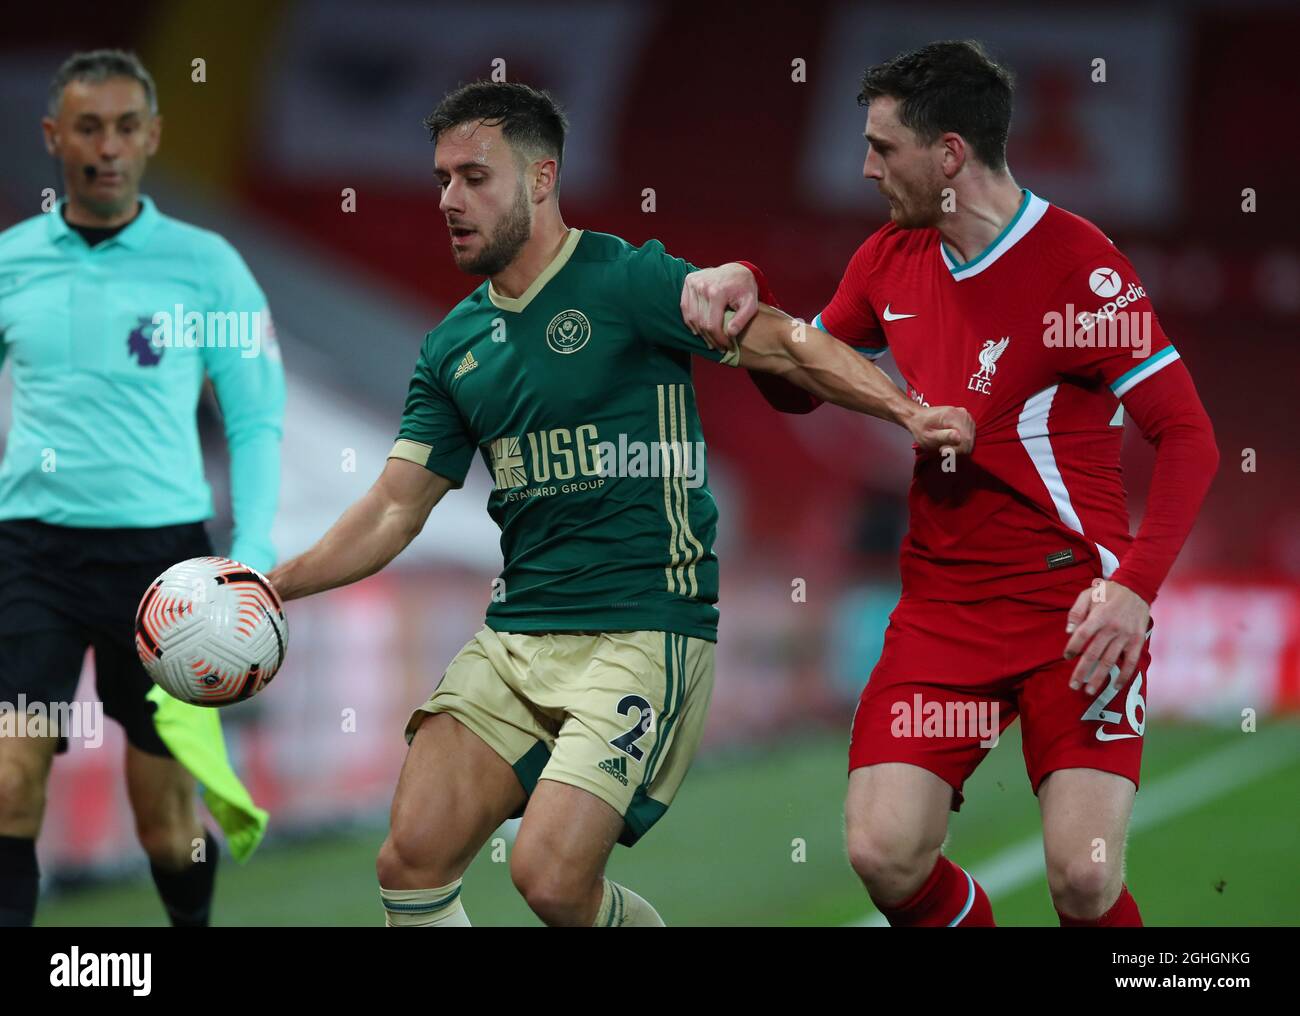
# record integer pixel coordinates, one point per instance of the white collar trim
(1032, 209)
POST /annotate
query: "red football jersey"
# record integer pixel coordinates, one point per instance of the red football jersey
(1039, 337)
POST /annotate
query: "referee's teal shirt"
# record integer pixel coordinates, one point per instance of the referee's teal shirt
(109, 346)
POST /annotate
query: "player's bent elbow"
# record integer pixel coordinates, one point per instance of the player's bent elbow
(1202, 433)
(1211, 453)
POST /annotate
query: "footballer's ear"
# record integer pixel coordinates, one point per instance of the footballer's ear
(954, 153)
(50, 130)
(545, 177)
(155, 135)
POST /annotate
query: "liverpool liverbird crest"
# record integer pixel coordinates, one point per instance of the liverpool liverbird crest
(989, 355)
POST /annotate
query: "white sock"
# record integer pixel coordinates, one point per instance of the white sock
(424, 908)
(620, 907)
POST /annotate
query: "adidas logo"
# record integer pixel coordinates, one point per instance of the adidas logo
(617, 768)
(466, 365)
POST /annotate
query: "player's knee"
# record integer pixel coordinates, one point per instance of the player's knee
(409, 862)
(554, 891)
(394, 869)
(389, 866)
(167, 823)
(170, 841)
(558, 900)
(887, 865)
(22, 798)
(1081, 886)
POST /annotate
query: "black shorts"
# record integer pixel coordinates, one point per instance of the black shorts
(65, 589)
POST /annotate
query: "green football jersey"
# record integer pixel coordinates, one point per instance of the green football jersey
(578, 396)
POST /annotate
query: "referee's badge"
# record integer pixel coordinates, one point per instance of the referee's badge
(568, 331)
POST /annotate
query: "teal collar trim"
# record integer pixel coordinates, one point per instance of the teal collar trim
(1027, 215)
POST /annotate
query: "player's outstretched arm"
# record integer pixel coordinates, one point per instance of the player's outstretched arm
(368, 535)
(738, 286)
(775, 343)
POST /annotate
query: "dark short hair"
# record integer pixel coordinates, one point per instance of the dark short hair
(949, 86)
(100, 65)
(531, 120)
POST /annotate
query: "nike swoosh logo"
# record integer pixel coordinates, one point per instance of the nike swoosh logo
(895, 317)
(1104, 736)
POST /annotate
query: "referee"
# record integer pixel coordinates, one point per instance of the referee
(107, 311)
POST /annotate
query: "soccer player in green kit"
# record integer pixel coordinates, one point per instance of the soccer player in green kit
(581, 701)
(102, 484)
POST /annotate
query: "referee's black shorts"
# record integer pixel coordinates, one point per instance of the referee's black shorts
(66, 589)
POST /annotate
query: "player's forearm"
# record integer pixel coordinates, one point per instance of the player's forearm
(1186, 461)
(366, 537)
(777, 392)
(783, 396)
(822, 365)
(1169, 413)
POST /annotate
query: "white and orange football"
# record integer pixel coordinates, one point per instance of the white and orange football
(211, 631)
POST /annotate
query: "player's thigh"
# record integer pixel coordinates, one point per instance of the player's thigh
(119, 568)
(1083, 755)
(933, 702)
(1068, 729)
(1086, 814)
(906, 772)
(25, 761)
(162, 792)
(634, 706)
(453, 791)
(893, 812)
(564, 841)
(38, 680)
(475, 745)
(123, 686)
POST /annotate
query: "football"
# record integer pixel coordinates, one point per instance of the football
(211, 631)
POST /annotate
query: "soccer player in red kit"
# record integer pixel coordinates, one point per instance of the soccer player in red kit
(1023, 592)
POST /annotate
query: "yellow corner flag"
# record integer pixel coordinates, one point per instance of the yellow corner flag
(193, 735)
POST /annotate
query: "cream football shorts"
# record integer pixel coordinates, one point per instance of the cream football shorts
(618, 714)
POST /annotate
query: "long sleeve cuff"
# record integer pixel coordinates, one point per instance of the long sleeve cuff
(254, 495)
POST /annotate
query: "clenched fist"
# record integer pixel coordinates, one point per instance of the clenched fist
(936, 428)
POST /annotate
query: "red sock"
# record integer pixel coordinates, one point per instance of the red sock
(1122, 914)
(949, 898)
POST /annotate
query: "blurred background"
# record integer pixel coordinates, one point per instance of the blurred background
(743, 121)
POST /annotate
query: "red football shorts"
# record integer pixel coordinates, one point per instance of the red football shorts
(953, 676)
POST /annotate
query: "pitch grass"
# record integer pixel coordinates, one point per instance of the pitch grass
(728, 851)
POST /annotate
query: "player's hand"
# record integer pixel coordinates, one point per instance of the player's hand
(1107, 625)
(938, 428)
(709, 293)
